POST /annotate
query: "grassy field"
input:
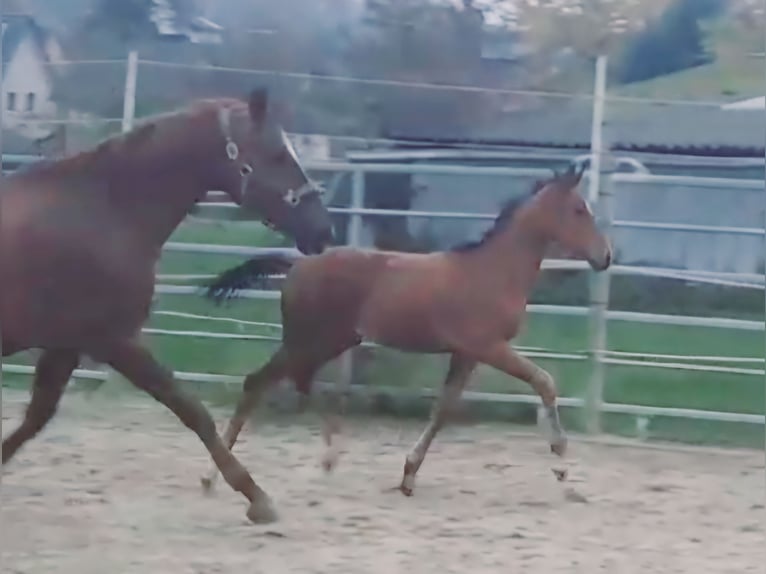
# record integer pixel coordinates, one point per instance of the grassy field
(382, 367)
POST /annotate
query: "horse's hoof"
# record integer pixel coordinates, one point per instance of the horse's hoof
(329, 461)
(408, 485)
(262, 511)
(207, 484)
(559, 447)
(560, 474)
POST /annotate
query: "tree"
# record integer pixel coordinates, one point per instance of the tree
(109, 31)
(588, 27)
(675, 42)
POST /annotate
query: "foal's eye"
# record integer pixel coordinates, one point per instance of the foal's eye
(581, 210)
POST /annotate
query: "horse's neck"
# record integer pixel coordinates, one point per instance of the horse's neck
(157, 184)
(511, 259)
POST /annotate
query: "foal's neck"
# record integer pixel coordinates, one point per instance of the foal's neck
(511, 259)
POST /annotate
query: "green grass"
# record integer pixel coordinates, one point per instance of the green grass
(721, 80)
(389, 368)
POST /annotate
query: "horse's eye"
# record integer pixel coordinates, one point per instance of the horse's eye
(581, 210)
(245, 170)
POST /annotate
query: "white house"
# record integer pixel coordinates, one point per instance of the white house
(28, 51)
(757, 103)
(171, 22)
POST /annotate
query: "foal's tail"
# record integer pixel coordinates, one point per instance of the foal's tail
(251, 273)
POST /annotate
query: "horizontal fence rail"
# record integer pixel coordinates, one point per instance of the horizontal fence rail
(474, 396)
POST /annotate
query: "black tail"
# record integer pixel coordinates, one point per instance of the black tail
(251, 273)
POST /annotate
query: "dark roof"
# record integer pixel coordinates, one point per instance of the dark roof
(688, 129)
(18, 27)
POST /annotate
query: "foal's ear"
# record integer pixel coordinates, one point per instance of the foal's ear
(258, 104)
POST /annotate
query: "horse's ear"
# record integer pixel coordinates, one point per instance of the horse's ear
(258, 103)
(573, 174)
(579, 173)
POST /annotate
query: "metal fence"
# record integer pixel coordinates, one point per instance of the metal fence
(601, 185)
(601, 358)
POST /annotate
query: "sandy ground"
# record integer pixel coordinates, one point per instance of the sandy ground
(116, 490)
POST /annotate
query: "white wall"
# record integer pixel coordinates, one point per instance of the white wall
(26, 73)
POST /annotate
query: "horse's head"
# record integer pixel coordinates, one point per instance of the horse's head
(566, 218)
(263, 174)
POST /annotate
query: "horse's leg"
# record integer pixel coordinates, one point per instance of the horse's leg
(252, 390)
(504, 358)
(460, 370)
(136, 364)
(334, 408)
(52, 373)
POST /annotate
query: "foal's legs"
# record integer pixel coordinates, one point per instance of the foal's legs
(136, 364)
(52, 373)
(335, 405)
(252, 390)
(504, 358)
(460, 370)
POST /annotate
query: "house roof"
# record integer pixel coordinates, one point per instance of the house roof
(687, 129)
(18, 27)
(177, 19)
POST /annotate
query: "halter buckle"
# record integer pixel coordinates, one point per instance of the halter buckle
(232, 151)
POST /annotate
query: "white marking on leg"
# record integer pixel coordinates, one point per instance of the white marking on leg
(552, 412)
(419, 450)
(408, 483)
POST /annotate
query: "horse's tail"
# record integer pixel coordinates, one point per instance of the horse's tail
(251, 273)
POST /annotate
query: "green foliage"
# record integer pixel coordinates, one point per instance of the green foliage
(675, 42)
(117, 24)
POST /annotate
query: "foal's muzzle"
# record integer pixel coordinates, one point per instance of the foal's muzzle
(602, 262)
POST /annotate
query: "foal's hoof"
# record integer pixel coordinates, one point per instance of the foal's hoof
(262, 511)
(559, 447)
(329, 461)
(408, 485)
(207, 484)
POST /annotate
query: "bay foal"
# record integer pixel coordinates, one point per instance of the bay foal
(468, 302)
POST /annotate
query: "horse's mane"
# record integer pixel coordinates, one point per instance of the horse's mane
(504, 218)
(121, 143)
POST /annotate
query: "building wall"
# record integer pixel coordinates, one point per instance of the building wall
(27, 74)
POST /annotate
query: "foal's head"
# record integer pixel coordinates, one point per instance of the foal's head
(560, 214)
(261, 172)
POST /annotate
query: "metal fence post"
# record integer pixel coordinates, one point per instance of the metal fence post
(129, 100)
(353, 239)
(2, 118)
(600, 195)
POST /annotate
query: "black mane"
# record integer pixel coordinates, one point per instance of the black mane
(503, 219)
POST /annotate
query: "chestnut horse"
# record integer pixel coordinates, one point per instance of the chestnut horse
(468, 302)
(80, 238)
